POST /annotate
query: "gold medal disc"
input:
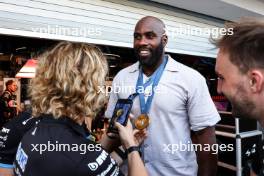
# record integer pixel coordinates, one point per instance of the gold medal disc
(119, 112)
(142, 122)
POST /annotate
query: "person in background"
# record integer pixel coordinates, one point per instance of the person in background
(10, 137)
(8, 104)
(65, 97)
(181, 103)
(240, 68)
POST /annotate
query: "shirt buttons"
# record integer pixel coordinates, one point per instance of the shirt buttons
(145, 145)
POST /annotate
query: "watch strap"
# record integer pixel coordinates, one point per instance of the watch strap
(132, 149)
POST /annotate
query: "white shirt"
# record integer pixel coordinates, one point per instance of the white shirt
(181, 103)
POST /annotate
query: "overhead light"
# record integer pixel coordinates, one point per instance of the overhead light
(28, 70)
(21, 48)
(111, 55)
(113, 60)
(25, 75)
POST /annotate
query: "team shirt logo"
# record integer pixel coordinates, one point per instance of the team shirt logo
(21, 158)
(99, 161)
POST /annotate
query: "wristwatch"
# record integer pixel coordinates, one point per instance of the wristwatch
(133, 148)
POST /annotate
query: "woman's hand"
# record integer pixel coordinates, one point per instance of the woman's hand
(140, 136)
(128, 136)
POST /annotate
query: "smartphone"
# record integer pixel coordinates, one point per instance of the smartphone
(121, 113)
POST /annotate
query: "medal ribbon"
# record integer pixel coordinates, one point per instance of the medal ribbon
(154, 80)
(132, 96)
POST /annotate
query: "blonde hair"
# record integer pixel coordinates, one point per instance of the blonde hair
(68, 80)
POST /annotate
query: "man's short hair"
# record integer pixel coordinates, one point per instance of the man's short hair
(9, 82)
(246, 46)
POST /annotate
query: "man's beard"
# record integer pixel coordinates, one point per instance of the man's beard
(242, 107)
(153, 58)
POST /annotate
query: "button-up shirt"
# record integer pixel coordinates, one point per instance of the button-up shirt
(181, 103)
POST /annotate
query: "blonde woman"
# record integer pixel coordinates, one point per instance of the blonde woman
(65, 96)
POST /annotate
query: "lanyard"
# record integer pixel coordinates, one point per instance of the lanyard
(154, 80)
(132, 96)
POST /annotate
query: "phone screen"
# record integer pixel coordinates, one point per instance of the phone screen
(121, 112)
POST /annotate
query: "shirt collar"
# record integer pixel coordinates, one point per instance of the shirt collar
(171, 65)
(80, 129)
(133, 68)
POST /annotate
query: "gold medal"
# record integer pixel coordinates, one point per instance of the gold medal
(119, 112)
(142, 122)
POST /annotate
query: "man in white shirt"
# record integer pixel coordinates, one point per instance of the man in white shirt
(175, 99)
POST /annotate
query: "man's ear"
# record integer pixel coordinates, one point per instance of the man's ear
(164, 40)
(256, 80)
